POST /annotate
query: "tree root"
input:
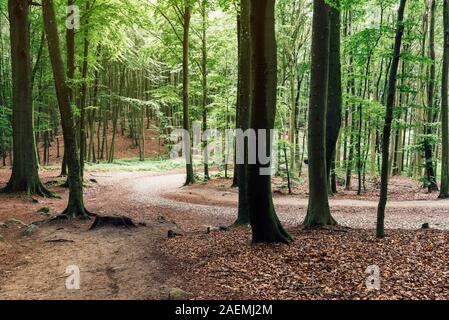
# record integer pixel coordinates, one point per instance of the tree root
(239, 224)
(35, 189)
(112, 221)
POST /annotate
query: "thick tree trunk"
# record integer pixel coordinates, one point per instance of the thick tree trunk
(318, 212)
(391, 93)
(25, 167)
(265, 224)
(444, 192)
(75, 206)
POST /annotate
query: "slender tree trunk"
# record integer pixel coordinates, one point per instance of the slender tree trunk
(70, 45)
(83, 97)
(444, 192)
(428, 141)
(204, 84)
(25, 176)
(334, 98)
(75, 206)
(115, 116)
(243, 108)
(391, 93)
(190, 178)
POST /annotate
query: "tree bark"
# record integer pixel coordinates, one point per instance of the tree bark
(318, 212)
(334, 96)
(265, 224)
(391, 94)
(70, 55)
(444, 192)
(428, 141)
(25, 176)
(190, 178)
(243, 107)
(204, 84)
(75, 206)
(83, 97)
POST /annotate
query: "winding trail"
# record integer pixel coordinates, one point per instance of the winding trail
(159, 191)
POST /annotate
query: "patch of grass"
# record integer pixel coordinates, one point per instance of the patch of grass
(134, 164)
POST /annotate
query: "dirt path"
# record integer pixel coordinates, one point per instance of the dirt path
(126, 264)
(219, 206)
(113, 263)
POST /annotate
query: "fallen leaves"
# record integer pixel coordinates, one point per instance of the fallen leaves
(322, 264)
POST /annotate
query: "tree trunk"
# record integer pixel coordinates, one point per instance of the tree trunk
(244, 80)
(318, 212)
(190, 178)
(428, 141)
(444, 192)
(265, 224)
(391, 93)
(75, 206)
(334, 98)
(70, 54)
(204, 84)
(25, 176)
(82, 137)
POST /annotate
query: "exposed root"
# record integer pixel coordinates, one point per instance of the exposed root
(77, 212)
(34, 189)
(240, 224)
(112, 221)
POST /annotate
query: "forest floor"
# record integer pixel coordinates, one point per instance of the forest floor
(145, 264)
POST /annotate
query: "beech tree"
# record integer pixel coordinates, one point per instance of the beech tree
(265, 224)
(25, 175)
(243, 106)
(391, 94)
(428, 138)
(334, 95)
(75, 207)
(444, 190)
(318, 211)
(190, 177)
